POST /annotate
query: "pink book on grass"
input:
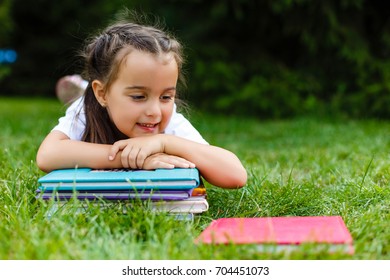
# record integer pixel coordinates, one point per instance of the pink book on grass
(280, 231)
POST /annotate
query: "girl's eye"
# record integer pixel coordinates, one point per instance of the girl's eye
(138, 97)
(167, 98)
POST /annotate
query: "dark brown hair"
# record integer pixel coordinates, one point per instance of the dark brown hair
(103, 56)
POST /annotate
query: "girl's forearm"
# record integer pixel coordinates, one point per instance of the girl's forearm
(71, 154)
(218, 166)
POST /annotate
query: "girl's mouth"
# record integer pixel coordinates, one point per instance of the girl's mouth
(148, 127)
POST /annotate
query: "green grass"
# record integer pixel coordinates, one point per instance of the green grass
(296, 167)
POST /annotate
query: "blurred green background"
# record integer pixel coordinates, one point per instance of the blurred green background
(263, 58)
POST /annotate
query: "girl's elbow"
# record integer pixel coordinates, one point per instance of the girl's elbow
(240, 179)
(241, 183)
(42, 162)
(235, 180)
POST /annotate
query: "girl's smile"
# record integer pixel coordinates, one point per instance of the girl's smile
(149, 128)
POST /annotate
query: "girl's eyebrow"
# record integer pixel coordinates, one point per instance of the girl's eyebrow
(146, 88)
(170, 88)
(137, 87)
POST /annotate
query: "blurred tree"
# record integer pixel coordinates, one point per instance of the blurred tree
(269, 58)
(48, 35)
(5, 32)
(5, 22)
(280, 58)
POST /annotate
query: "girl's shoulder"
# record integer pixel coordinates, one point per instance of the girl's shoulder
(77, 106)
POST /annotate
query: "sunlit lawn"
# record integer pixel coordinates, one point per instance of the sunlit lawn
(299, 167)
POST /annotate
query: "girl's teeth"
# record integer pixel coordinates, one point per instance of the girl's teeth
(147, 125)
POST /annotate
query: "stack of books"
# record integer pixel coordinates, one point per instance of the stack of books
(176, 191)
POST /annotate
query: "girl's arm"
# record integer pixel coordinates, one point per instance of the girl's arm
(57, 151)
(218, 166)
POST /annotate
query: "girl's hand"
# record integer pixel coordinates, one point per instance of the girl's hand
(161, 160)
(136, 150)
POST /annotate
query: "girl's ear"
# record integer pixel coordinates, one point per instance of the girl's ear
(100, 93)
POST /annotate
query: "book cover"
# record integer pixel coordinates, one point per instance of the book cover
(280, 231)
(116, 195)
(194, 204)
(120, 179)
(184, 208)
(200, 190)
(83, 208)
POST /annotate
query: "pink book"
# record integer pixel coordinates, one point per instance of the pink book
(281, 231)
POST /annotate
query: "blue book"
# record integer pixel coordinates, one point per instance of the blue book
(119, 179)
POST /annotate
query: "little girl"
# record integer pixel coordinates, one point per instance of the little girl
(127, 117)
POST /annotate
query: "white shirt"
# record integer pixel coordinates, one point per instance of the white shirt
(73, 124)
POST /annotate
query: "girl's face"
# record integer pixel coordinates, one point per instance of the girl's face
(140, 101)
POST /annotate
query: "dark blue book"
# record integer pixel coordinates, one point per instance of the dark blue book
(149, 194)
(86, 179)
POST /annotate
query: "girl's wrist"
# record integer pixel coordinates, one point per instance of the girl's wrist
(164, 138)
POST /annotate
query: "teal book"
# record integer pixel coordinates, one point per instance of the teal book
(86, 179)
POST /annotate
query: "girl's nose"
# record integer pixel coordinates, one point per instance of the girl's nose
(153, 108)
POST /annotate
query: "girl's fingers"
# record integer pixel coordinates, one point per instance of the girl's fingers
(115, 148)
(141, 156)
(181, 163)
(167, 161)
(164, 165)
(131, 157)
(124, 158)
(134, 154)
